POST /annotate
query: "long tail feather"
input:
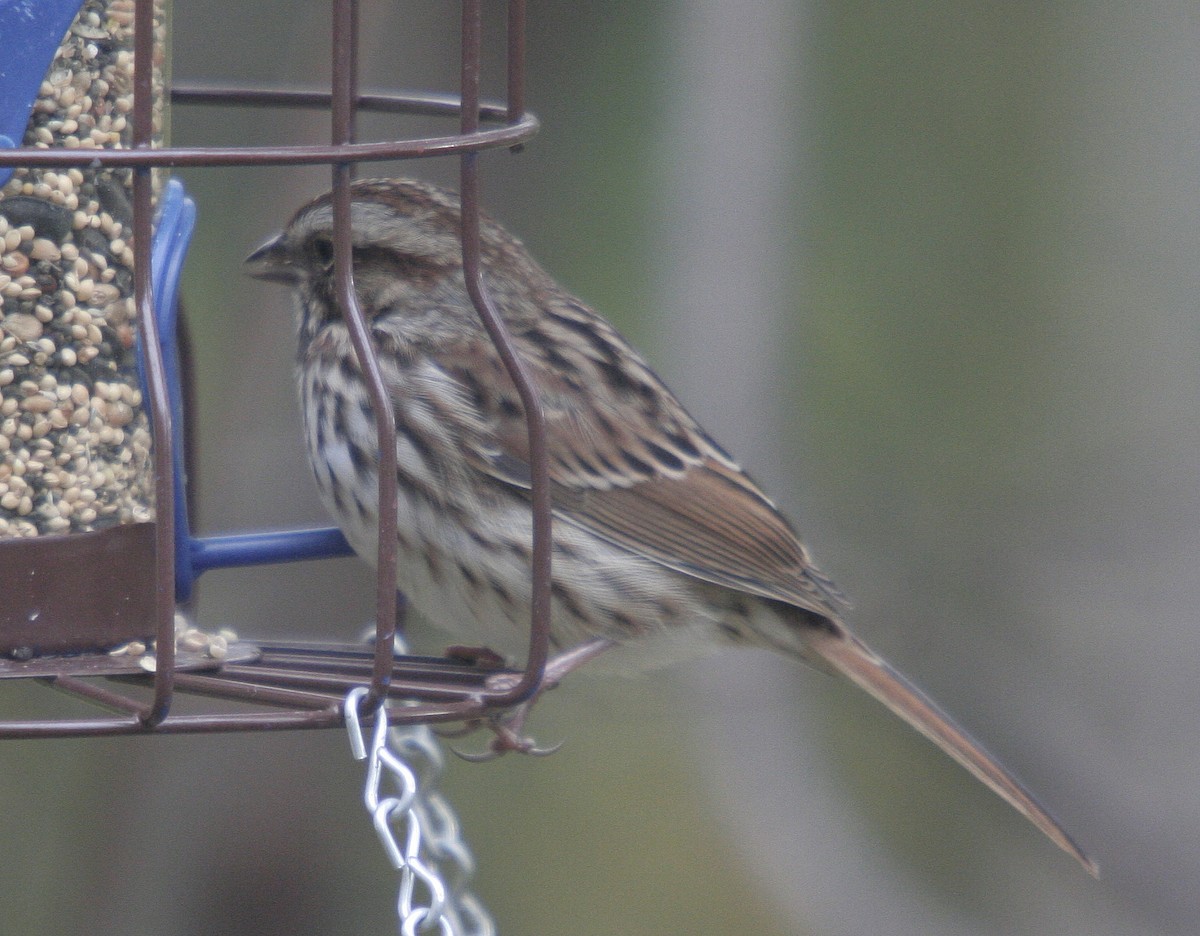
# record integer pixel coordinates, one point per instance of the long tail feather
(847, 655)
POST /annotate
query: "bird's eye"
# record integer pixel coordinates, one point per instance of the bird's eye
(321, 249)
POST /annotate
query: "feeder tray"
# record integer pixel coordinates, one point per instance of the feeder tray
(108, 664)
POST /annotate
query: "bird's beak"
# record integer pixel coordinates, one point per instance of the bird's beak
(273, 261)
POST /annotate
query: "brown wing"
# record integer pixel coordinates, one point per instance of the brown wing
(710, 522)
(628, 464)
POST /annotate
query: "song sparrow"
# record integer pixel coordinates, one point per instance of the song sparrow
(662, 544)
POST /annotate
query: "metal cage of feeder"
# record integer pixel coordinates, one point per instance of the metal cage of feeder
(57, 631)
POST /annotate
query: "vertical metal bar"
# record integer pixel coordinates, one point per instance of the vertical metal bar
(352, 65)
(345, 67)
(516, 60)
(535, 421)
(156, 380)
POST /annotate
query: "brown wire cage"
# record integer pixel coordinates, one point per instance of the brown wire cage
(55, 632)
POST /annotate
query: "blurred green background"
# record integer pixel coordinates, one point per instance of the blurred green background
(929, 269)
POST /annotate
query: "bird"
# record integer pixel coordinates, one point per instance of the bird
(663, 547)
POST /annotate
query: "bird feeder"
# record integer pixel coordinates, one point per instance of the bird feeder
(96, 547)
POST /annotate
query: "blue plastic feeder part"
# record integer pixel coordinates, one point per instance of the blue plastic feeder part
(30, 33)
(194, 555)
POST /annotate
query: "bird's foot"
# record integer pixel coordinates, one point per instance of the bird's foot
(506, 726)
(507, 736)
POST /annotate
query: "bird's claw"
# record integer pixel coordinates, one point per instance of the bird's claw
(498, 748)
(506, 726)
(481, 757)
(506, 738)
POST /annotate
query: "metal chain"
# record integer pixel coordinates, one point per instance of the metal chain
(417, 827)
